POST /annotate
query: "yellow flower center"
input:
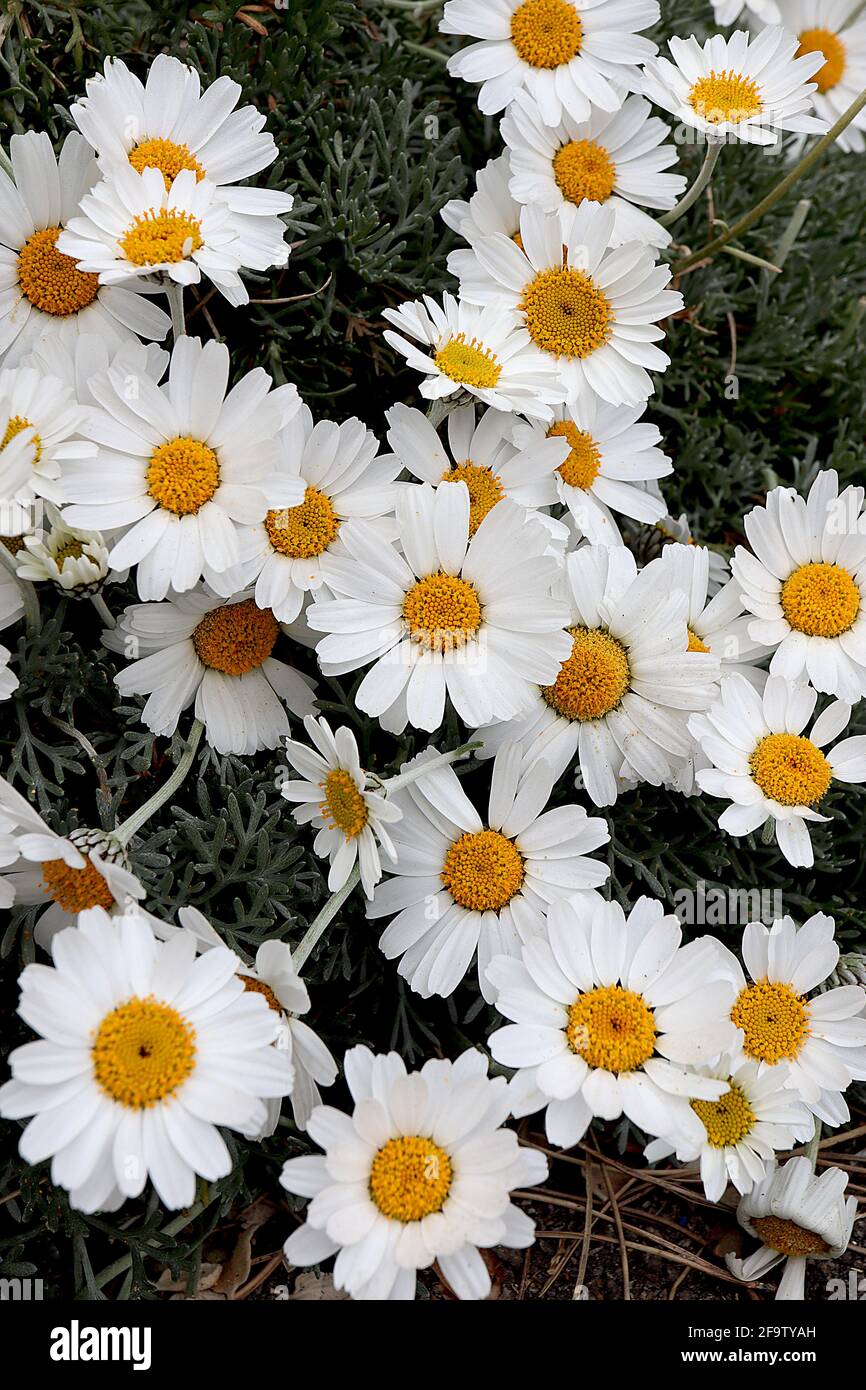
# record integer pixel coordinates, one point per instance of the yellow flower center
(485, 489)
(612, 1028)
(162, 238)
(182, 475)
(826, 42)
(726, 1120)
(790, 769)
(51, 281)
(344, 805)
(12, 543)
(725, 96)
(143, 1052)
(469, 363)
(73, 550)
(166, 156)
(789, 1238)
(254, 986)
(580, 468)
(236, 638)
(16, 424)
(695, 642)
(584, 169)
(303, 531)
(483, 871)
(410, 1178)
(774, 1019)
(442, 612)
(593, 680)
(820, 600)
(75, 890)
(546, 33)
(565, 313)
(518, 241)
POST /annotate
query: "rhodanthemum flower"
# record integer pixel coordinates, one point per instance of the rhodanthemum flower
(143, 1051)
(797, 1216)
(40, 403)
(616, 158)
(740, 88)
(718, 624)
(823, 26)
(335, 474)
(85, 358)
(472, 620)
(767, 767)
(591, 313)
(735, 1134)
(335, 796)
(619, 700)
(817, 1044)
(609, 1016)
(182, 466)
(44, 293)
(483, 351)
(806, 584)
(218, 653)
(465, 883)
(568, 54)
(490, 209)
(421, 1171)
(74, 561)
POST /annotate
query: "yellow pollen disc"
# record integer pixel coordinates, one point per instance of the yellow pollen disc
(253, 986)
(483, 871)
(143, 1053)
(236, 638)
(789, 1238)
(50, 280)
(410, 1178)
(774, 1019)
(725, 96)
(75, 890)
(73, 550)
(546, 33)
(303, 531)
(162, 238)
(612, 1028)
(344, 805)
(485, 489)
(469, 363)
(565, 313)
(835, 55)
(695, 642)
(584, 169)
(593, 680)
(166, 156)
(442, 612)
(790, 769)
(13, 543)
(727, 1120)
(820, 600)
(182, 475)
(518, 241)
(580, 468)
(17, 423)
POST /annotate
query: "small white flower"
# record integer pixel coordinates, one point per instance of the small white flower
(716, 624)
(44, 408)
(74, 561)
(824, 26)
(490, 209)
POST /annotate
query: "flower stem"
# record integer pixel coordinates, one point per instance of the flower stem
(814, 1144)
(324, 919)
(125, 831)
(690, 197)
(103, 610)
(29, 596)
(175, 301)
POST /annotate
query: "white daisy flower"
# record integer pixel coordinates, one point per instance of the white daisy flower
(591, 313)
(83, 359)
(491, 209)
(463, 883)
(334, 472)
(19, 508)
(74, 561)
(767, 767)
(739, 88)
(619, 701)
(718, 624)
(823, 26)
(616, 158)
(68, 874)
(218, 653)
(337, 796)
(143, 1052)
(35, 401)
(677, 528)
(797, 1216)
(421, 1171)
(806, 584)
(568, 54)
(817, 1044)
(472, 620)
(182, 466)
(131, 225)
(483, 351)
(42, 292)
(760, 11)
(611, 451)
(609, 1016)
(734, 1135)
